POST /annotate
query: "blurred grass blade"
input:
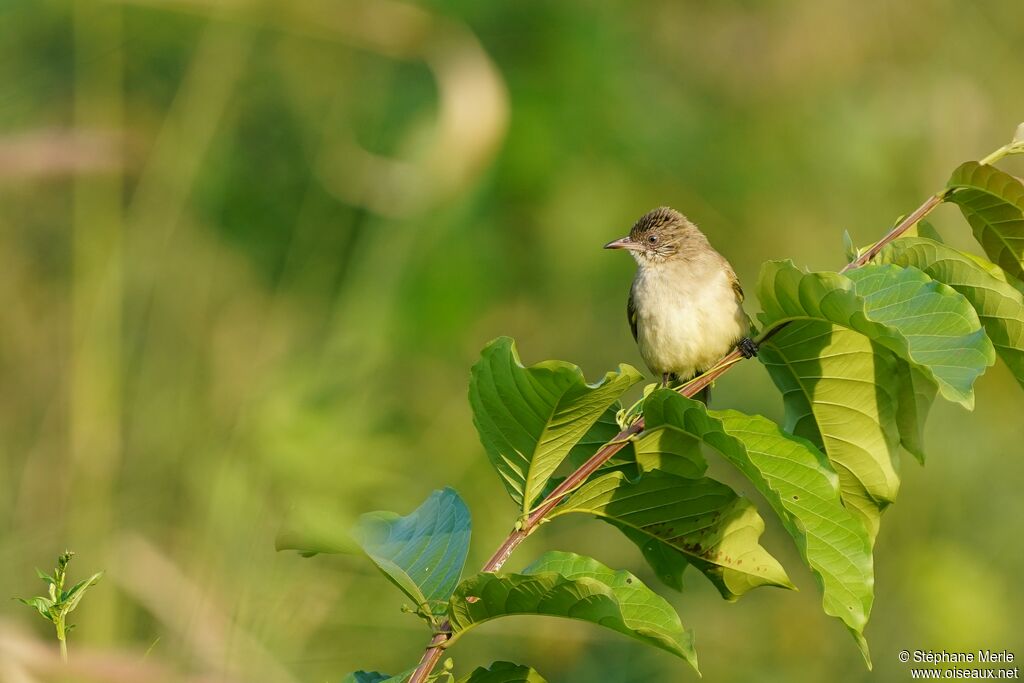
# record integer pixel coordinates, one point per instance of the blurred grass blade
(716, 530)
(503, 672)
(993, 203)
(529, 419)
(312, 529)
(422, 553)
(566, 585)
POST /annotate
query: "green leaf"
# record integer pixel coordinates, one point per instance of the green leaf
(999, 305)
(993, 203)
(668, 450)
(604, 430)
(529, 419)
(668, 563)
(926, 229)
(572, 586)
(915, 395)
(503, 672)
(995, 271)
(919, 319)
(716, 530)
(849, 251)
(40, 604)
(72, 597)
(422, 553)
(796, 480)
(839, 391)
(374, 677)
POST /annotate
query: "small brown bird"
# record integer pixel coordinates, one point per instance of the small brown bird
(686, 305)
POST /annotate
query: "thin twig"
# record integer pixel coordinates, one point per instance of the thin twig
(435, 648)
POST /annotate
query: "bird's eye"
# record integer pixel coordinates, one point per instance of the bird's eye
(653, 239)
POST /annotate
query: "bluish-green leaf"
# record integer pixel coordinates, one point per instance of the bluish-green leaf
(715, 530)
(529, 419)
(999, 305)
(923, 321)
(503, 672)
(422, 553)
(572, 586)
(993, 203)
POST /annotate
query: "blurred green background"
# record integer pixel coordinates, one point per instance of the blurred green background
(249, 250)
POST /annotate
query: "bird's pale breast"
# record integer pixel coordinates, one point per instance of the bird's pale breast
(688, 316)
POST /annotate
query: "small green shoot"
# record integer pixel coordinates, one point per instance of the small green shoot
(56, 606)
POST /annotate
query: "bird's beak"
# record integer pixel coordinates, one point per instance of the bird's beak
(624, 243)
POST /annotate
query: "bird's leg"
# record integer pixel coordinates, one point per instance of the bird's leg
(666, 379)
(747, 347)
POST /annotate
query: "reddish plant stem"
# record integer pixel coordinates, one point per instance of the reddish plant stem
(435, 648)
(901, 228)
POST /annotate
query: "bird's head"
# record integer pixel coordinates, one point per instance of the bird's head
(661, 235)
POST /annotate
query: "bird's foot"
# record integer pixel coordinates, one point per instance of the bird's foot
(666, 379)
(747, 347)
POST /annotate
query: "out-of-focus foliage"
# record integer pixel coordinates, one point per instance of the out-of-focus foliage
(247, 253)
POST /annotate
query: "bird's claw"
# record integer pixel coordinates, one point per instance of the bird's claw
(747, 347)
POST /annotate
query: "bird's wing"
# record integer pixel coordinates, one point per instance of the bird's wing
(735, 282)
(631, 314)
(739, 290)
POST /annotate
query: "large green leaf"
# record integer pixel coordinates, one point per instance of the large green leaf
(1000, 305)
(668, 563)
(796, 480)
(374, 677)
(529, 419)
(562, 584)
(993, 203)
(840, 392)
(923, 321)
(503, 672)
(915, 395)
(422, 553)
(660, 447)
(716, 530)
(604, 430)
